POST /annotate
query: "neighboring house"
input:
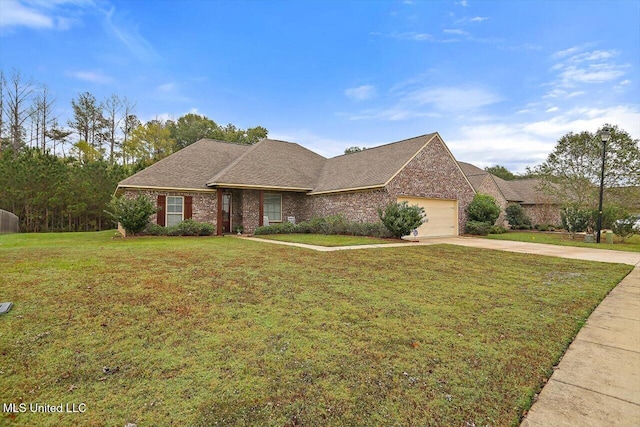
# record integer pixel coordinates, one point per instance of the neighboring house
(539, 207)
(232, 185)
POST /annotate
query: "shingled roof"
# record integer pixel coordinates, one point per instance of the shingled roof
(272, 164)
(475, 175)
(370, 168)
(190, 168)
(523, 191)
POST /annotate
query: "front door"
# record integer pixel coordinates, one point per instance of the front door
(226, 213)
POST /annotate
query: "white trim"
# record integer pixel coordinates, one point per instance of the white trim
(149, 187)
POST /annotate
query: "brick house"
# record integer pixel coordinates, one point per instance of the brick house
(231, 185)
(539, 207)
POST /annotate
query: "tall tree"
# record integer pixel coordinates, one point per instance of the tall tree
(151, 142)
(191, 128)
(113, 107)
(501, 172)
(88, 120)
(17, 94)
(43, 115)
(129, 123)
(572, 170)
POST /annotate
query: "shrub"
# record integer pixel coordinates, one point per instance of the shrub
(625, 227)
(483, 208)
(400, 218)
(478, 228)
(575, 219)
(282, 228)
(496, 229)
(188, 227)
(132, 214)
(333, 225)
(516, 216)
(155, 230)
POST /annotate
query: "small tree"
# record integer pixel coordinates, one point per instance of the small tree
(400, 218)
(516, 216)
(132, 214)
(575, 220)
(483, 208)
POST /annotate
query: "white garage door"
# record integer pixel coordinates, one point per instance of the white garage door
(442, 216)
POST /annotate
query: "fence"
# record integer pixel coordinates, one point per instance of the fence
(9, 223)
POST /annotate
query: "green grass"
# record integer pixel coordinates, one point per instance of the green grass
(631, 245)
(225, 331)
(328, 240)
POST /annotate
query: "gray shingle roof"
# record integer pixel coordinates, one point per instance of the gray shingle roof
(189, 168)
(372, 167)
(475, 175)
(274, 164)
(508, 190)
(528, 191)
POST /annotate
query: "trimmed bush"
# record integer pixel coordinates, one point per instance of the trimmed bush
(331, 225)
(400, 218)
(496, 229)
(283, 228)
(483, 208)
(188, 227)
(478, 228)
(155, 230)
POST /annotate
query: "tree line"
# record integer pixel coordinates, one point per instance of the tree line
(60, 176)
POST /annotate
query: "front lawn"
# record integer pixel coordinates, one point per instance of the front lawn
(224, 331)
(327, 240)
(631, 245)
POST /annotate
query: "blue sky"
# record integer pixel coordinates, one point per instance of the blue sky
(501, 81)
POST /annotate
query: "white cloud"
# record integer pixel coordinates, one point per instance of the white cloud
(551, 110)
(462, 3)
(92, 76)
(127, 33)
(167, 87)
(454, 99)
(478, 19)
(361, 93)
(413, 36)
(15, 14)
(41, 14)
(455, 31)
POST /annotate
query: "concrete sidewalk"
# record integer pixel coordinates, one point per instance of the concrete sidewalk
(597, 382)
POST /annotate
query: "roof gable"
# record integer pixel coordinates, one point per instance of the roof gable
(189, 168)
(272, 164)
(370, 168)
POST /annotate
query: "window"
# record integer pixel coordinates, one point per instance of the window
(174, 210)
(273, 207)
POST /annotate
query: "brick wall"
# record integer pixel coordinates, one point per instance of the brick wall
(543, 214)
(433, 173)
(358, 206)
(204, 203)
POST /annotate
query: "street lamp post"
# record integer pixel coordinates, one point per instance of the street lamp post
(605, 135)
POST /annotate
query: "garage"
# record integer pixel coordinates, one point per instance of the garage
(442, 216)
